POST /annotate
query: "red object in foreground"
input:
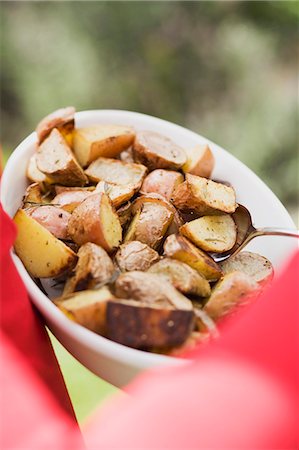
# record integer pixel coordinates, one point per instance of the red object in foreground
(240, 392)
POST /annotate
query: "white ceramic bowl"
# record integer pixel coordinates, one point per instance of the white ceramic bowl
(111, 361)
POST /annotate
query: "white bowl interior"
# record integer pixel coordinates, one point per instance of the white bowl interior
(114, 362)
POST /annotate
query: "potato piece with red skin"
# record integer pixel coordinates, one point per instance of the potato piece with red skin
(135, 255)
(55, 159)
(117, 193)
(94, 267)
(233, 290)
(63, 119)
(163, 182)
(256, 266)
(95, 220)
(180, 248)
(69, 200)
(33, 194)
(200, 161)
(52, 218)
(204, 196)
(157, 151)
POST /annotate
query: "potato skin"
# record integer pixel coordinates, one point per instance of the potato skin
(204, 196)
(33, 194)
(234, 289)
(94, 267)
(43, 255)
(33, 173)
(55, 159)
(200, 161)
(180, 248)
(63, 119)
(69, 200)
(53, 219)
(211, 233)
(254, 265)
(135, 255)
(118, 194)
(150, 224)
(182, 277)
(157, 151)
(95, 220)
(163, 182)
(145, 326)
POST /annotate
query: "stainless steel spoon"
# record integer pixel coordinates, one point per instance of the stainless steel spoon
(246, 232)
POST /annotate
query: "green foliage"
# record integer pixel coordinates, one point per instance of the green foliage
(224, 69)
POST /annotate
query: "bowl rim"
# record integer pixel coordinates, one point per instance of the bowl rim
(121, 353)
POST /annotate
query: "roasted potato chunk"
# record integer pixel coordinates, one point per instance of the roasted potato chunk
(95, 220)
(32, 195)
(143, 325)
(200, 161)
(116, 172)
(180, 248)
(42, 254)
(150, 224)
(215, 234)
(69, 200)
(182, 277)
(101, 140)
(135, 255)
(117, 193)
(149, 288)
(55, 159)
(204, 196)
(234, 289)
(63, 119)
(157, 151)
(125, 214)
(53, 219)
(255, 266)
(33, 173)
(87, 308)
(94, 267)
(163, 182)
(127, 155)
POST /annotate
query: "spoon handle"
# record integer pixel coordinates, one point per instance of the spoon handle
(266, 232)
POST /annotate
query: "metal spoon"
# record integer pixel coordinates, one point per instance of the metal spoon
(246, 232)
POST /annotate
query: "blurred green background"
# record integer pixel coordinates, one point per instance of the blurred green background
(227, 70)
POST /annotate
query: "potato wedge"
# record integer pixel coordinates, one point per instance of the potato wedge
(204, 196)
(150, 224)
(69, 200)
(53, 219)
(163, 182)
(178, 247)
(55, 159)
(87, 308)
(42, 254)
(101, 140)
(157, 151)
(125, 215)
(33, 172)
(116, 172)
(150, 288)
(144, 326)
(95, 220)
(117, 193)
(215, 234)
(255, 266)
(182, 277)
(200, 161)
(63, 119)
(135, 255)
(33, 194)
(234, 289)
(94, 267)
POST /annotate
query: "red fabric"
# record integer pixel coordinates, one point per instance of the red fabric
(22, 326)
(240, 392)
